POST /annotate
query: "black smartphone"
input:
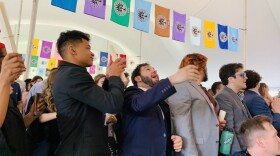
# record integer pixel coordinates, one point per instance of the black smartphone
(38, 96)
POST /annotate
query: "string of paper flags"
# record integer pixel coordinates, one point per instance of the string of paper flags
(120, 14)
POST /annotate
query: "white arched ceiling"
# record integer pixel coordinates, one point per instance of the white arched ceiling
(165, 54)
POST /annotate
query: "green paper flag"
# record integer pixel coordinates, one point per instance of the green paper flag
(120, 12)
(34, 61)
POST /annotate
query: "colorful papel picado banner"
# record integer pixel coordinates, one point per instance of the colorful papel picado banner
(69, 5)
(162, 19)
(179, 26)
(142, 15)
(209, 34)
(223, 36)
(95, 8)
(120, 12)
(195, 31)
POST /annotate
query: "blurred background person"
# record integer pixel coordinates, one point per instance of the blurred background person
(110, 120)
(256, 104)
(13, 138)
(264, 91)
(127, 80)
(25, 93)
(216, 87)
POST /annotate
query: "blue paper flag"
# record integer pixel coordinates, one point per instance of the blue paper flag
(69, 5)
(142, 15)
(223, 36)
(233, 39)
(103, 59)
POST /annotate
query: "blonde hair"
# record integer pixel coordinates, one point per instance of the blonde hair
(47, 92)
(261, 89)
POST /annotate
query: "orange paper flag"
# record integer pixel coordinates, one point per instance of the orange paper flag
(162, 18)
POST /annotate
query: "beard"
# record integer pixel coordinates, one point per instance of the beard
(147, 81)
(205, 77)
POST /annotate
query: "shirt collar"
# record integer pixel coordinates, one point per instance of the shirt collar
(144, 89)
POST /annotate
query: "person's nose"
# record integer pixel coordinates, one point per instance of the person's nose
(278, 139)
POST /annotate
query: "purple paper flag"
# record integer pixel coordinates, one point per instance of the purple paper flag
(179, 26)
(46, 49)
(95, 8)
(92, 69)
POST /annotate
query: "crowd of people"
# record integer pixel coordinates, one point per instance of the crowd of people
(71, 113)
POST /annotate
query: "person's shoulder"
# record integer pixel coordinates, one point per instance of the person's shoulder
(15, 84)
(241, 153)
(132, 88)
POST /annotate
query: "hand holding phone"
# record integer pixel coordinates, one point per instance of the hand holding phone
(37, 104)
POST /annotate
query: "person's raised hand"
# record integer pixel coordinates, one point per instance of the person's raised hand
(188, 72)
(116, 68)
(12, 65)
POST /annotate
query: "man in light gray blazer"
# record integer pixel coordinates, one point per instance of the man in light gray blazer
(234, 79)
(194, 113)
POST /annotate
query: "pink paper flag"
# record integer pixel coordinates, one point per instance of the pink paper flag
(92, 69)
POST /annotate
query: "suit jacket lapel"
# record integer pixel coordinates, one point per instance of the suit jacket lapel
(238, 101)
(203, 94)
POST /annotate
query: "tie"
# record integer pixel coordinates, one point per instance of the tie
(210, 97)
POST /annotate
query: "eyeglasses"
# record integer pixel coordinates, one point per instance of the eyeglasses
(243, 75)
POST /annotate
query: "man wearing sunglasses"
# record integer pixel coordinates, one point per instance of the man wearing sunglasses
(234, 79)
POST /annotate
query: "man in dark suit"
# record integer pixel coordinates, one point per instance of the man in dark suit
(79, 101)
(256, 104)
(146, 123)
(234, 79)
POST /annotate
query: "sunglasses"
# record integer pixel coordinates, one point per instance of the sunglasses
(243, 75)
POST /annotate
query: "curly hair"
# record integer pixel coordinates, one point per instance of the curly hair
(253, 79)
(47, 92)
(196, 59)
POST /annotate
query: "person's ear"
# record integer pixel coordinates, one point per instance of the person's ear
(230, 79)
(71, 49)
(260, 142)
(138, 79)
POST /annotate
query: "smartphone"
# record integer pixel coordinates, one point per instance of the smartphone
(38, 96)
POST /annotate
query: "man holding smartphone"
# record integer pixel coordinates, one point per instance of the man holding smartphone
(79, 101)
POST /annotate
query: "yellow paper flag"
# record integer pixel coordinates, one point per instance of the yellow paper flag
(52, 63)
(209, 34)
(35, 47)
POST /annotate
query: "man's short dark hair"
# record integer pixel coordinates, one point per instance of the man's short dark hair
(249, 128)
(228, 70)
(137, 72)
(35, 78)
(67, 37)
(253, 79)
(215, 85)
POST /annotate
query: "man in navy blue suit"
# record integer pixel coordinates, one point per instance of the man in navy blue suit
(256, 104)
(146, 122)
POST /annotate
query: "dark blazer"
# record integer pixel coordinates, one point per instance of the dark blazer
(237, 113)
(143, 126)
(80, 103)
(257, 106)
